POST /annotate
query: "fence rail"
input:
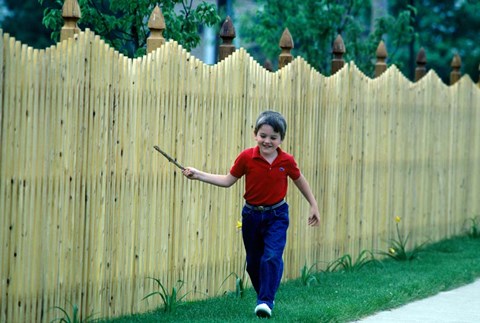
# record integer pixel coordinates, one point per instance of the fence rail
(89, 209)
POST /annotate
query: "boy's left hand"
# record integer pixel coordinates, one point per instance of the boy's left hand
(314, 219)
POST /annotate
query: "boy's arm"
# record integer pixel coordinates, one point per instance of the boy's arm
(304, 187)
(214, 179)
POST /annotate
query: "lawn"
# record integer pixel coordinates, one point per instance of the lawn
(342, 295)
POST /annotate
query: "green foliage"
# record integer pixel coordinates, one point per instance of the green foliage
(170, 300)
(73, 318)
(346, 262)
(123, 23)
(314, 25)
(307, 276)
(444, 28)
(398, 249)
(474, 230)
(52, 17)
(239, 284)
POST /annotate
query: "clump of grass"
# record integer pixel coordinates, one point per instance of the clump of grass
(398, 249)
(170, 300)
(74, 317)
(346, 262)
(307, 276)
(473, 229)
(239, 284)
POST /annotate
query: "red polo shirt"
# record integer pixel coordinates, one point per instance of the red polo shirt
(265, 183)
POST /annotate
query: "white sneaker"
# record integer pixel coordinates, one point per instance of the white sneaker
(263, 311)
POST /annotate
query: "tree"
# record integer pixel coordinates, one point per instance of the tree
(379, 10)
(24, 22)
(123, 23)
(445, 27)
(315, 24)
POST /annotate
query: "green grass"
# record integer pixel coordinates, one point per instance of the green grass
(344, 296)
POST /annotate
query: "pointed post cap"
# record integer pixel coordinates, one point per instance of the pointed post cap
(156, 24)
(338, 50)
(286, 41)
(286, 44)
(338, 46)
(381, 64)
(456, 65)
(456, 62)
(381, 51)
(156, 20)
(71, 9)
(421, 57)
(227, 33)
(71, 14)
(421, 70)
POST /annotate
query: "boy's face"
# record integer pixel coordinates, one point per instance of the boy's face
(267, 140)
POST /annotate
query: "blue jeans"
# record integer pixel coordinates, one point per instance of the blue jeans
(264, 236)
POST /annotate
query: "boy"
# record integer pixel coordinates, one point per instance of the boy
(265, 217)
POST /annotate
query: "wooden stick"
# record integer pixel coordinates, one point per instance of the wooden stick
(170, 159)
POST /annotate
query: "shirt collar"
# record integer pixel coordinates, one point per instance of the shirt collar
(256, 153)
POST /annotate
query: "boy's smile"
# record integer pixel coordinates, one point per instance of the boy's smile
(268, 141)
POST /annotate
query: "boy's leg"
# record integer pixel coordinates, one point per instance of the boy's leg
(253, 243)
(274, 232)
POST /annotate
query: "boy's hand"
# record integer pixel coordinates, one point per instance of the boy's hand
(190, 173)
(314, 219)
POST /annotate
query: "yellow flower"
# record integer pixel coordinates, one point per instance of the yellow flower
(398, 219)
(391, 251)
(239, 224)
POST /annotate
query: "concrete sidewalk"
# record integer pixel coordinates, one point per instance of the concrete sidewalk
(461, 305)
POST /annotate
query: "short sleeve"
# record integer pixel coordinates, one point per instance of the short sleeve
(240, 165)
(293, 170)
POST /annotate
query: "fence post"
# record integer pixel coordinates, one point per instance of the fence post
(156, 24)
(421, 69)
(455, 73)
(381, 65)
(286, 44)
(227, 33)
(338, 51)
(70, 13)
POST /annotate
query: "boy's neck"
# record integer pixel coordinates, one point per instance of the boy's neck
(271, 157)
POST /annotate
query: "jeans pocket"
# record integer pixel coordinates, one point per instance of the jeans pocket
(246, 212)
(281, 212)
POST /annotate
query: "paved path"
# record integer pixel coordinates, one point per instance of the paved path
(461, 305)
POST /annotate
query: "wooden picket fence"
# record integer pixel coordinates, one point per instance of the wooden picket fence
(89, 210)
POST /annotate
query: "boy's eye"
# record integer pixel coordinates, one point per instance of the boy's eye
(263, 136)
